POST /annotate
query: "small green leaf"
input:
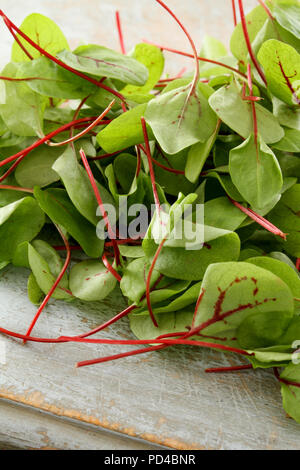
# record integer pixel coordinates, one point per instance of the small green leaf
(281, 63)
(256, 173)
(91, 281)
(57, 205)
(35, 294)
(124, 131)
(20, 221)
(290, 394)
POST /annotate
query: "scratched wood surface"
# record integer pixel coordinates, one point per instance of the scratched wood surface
(163, 398)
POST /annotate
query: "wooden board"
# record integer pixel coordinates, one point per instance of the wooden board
(164, 398)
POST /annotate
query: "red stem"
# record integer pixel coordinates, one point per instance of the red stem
(255, 125)
(101, 205)
(157, 163)
(248, 42)
(17, 39)
(149, 157)
(234, 13)
(85, 131)
(55, 285)
(267, 9)
(298, 264)
(110, 268)
(197, 69)
(202, 59)
(284, 381)
(228, 369)
(42, 51)
(120, 32)
(44, 139)
(16, 188)
(259, 220)
(148, 283)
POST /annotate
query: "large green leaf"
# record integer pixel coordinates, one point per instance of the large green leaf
(256, 173)
(57, 205)
(239, 294)
(287, 13)
(43, 32)
(229, 105)
(103, 62)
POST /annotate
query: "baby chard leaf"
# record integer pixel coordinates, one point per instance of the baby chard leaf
(46, 266)
(78, 186)
(42, 31)
(255, 172)
(91, 281)
(234, 293)
(124, 131)
(57, 205)
(229, 105)
(152, 58)
(291, 394)
(180, 118)
(20, 221)
(103, 62)
(28, 120)
(281, 63)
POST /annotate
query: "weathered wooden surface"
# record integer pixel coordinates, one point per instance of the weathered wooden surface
(165, 398)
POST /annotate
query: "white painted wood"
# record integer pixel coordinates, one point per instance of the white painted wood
(163, 397)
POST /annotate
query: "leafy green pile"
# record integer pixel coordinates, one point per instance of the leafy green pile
(85, 128)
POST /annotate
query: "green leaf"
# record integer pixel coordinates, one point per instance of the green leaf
(235, 293)
(36, 168)
(287, 116)
(256, 173)
(230, 107)
(152, 58)
(35, 294)
(180, 118)
(124, 131)
(133, 283)
(57, 205)
(288, 16)
(255, 21)
(78, 186)
(281, 63)
(28, 120)
(42, 31)
(19, 222)
(290, 142)
(286, 216)
(143, 328)
(221, 213)
(103, 62)
(180, 263)
(291, 394)
(198, 155)
(46, 265)
(280, 269)
(54, 80)
(91, 281)
(20, 257)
